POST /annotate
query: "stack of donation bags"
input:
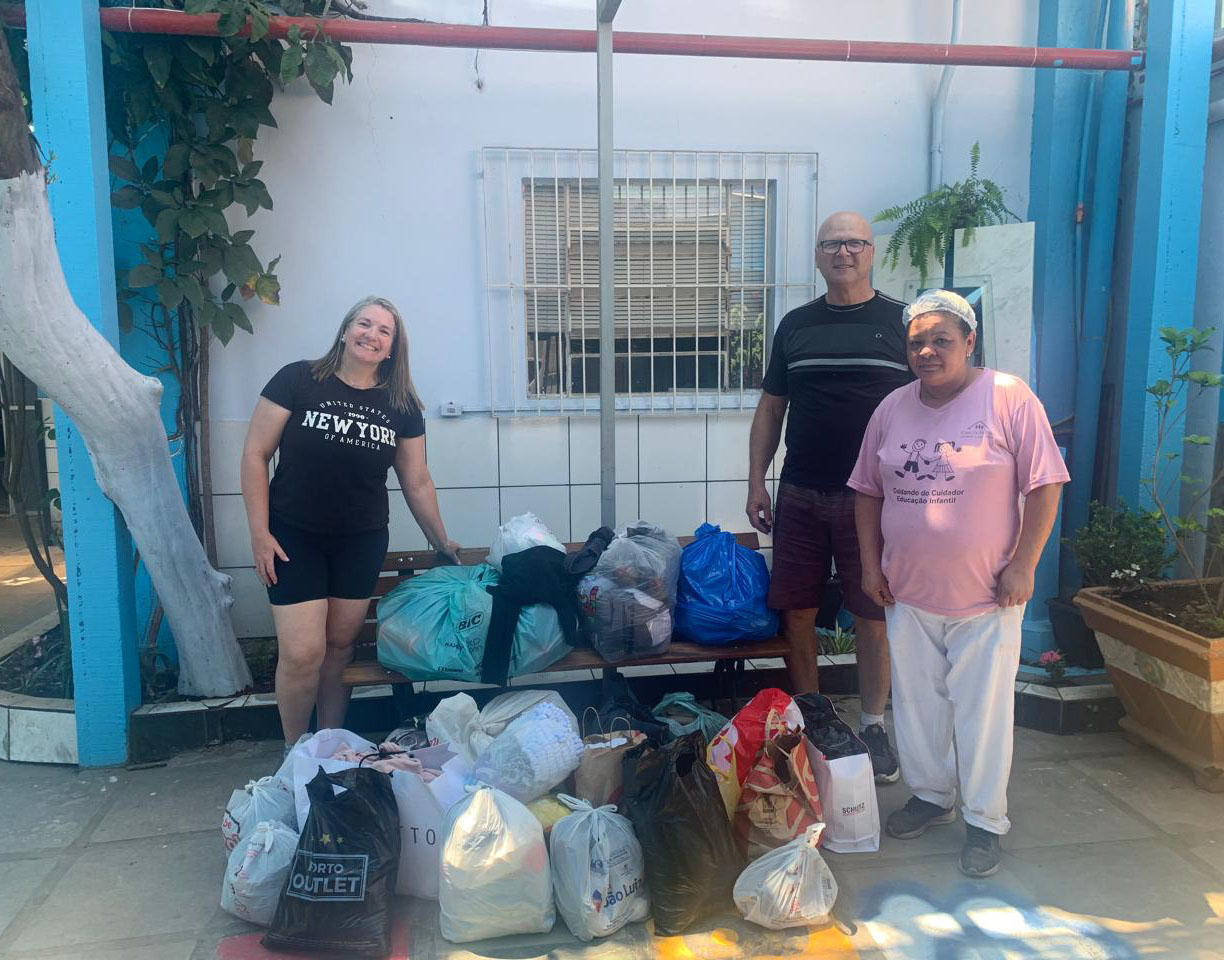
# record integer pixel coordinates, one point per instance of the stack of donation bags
(623, 594)
(510, 815)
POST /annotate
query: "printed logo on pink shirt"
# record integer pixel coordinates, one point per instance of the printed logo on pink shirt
(928, 462)
(937, 466)
(975, 431)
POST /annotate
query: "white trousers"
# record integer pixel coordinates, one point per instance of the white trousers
(953, 696)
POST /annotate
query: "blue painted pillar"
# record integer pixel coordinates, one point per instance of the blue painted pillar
(1058, 124)
(1169, 196)
(1037, 633)
(65, 48)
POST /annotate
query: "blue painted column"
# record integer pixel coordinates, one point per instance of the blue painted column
(1036, 632)
(1059, 99)
(1169, 196)
(65, 48)
(1058, 123)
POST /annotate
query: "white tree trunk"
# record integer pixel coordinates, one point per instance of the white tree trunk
(117, 413)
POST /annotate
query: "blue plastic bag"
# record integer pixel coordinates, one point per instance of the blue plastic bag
(722, 591)
(433, 627)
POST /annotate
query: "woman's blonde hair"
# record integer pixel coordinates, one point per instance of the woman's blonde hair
(393, 373)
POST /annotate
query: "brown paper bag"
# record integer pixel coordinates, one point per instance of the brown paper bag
(598, 779)
(780, 799)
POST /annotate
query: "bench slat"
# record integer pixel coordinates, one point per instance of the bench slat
(368, 672)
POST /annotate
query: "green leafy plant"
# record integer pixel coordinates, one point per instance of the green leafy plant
(1169, 397)
(836, 641)
(927, 226)
(1120, 547)
(183, 114)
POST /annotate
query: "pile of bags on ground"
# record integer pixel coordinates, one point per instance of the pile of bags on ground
(624, 594)
(511, 814)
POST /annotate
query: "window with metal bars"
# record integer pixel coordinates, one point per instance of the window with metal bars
(693, 272)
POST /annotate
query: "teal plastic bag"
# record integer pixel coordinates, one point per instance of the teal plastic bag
(683, 714)
(433, 627)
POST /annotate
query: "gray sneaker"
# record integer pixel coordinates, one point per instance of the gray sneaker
(883, 758)
(980, 854)
(913, 819)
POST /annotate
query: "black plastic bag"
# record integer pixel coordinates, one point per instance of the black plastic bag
(619, 704)
(338, 894)
(672, 799)
(827, 731)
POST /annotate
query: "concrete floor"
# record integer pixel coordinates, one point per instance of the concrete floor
(1114, 853)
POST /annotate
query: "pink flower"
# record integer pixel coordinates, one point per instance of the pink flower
(1050, 658)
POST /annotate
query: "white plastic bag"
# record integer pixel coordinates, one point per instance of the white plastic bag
(495, 876)
(788, 887)
(847, 801)
(533, 754)
(521, 533)
(268, 798)
(468, 730)
(422, 807)
(599, 875)
(256, 872)
(325, 743)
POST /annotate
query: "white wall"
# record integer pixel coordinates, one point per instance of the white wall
(380, 193)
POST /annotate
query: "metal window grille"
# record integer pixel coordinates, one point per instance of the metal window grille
(711, 249)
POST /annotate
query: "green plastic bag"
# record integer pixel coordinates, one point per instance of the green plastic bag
(433, 627)
(683, 714)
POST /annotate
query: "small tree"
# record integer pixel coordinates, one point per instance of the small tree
(1169, 397)
(115, 409)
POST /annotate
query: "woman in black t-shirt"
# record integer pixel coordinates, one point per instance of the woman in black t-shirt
(319, 531)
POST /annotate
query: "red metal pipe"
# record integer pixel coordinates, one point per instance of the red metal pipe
(132, 20)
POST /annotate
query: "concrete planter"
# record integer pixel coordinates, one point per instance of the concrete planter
(1170, 682)
(37, 729)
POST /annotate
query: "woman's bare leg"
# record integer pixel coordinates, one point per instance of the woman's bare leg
(301, 642)
(344, 622)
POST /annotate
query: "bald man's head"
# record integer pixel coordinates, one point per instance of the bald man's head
(844, 225)
(847, 272)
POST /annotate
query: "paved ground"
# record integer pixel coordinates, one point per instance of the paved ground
(1114, 854)
(25, 597)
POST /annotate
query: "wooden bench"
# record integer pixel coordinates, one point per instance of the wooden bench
(365, 670)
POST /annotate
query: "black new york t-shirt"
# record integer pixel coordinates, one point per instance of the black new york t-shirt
(834, 364)
(337, 446)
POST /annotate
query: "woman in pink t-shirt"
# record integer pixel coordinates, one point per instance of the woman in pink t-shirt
(950, 553)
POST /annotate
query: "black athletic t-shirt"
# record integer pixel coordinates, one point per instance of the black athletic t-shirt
(337, 446)
(834, 364)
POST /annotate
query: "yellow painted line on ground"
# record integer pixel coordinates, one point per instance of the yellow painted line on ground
(723, 943)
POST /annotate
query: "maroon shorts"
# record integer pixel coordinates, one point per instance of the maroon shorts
(812, 531)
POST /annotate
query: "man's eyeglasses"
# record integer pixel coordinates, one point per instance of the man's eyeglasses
(852, 246)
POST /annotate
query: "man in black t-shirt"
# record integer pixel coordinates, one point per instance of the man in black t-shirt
(833, 360)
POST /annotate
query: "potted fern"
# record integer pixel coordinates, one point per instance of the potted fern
(927, 227)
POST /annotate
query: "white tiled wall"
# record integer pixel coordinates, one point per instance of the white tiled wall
(675, 470)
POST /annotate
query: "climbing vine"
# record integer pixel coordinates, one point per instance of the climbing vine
(184, 115)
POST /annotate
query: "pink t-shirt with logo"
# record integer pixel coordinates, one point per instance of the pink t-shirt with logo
(951, 479)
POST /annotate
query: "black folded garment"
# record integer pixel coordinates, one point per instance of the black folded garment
(583, 562)
(535, 575)
(827, 731)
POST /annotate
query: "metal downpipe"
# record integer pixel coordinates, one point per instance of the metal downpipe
(1097, 287)
(940, 103)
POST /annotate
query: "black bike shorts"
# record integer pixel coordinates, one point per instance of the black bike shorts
(325, 565)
